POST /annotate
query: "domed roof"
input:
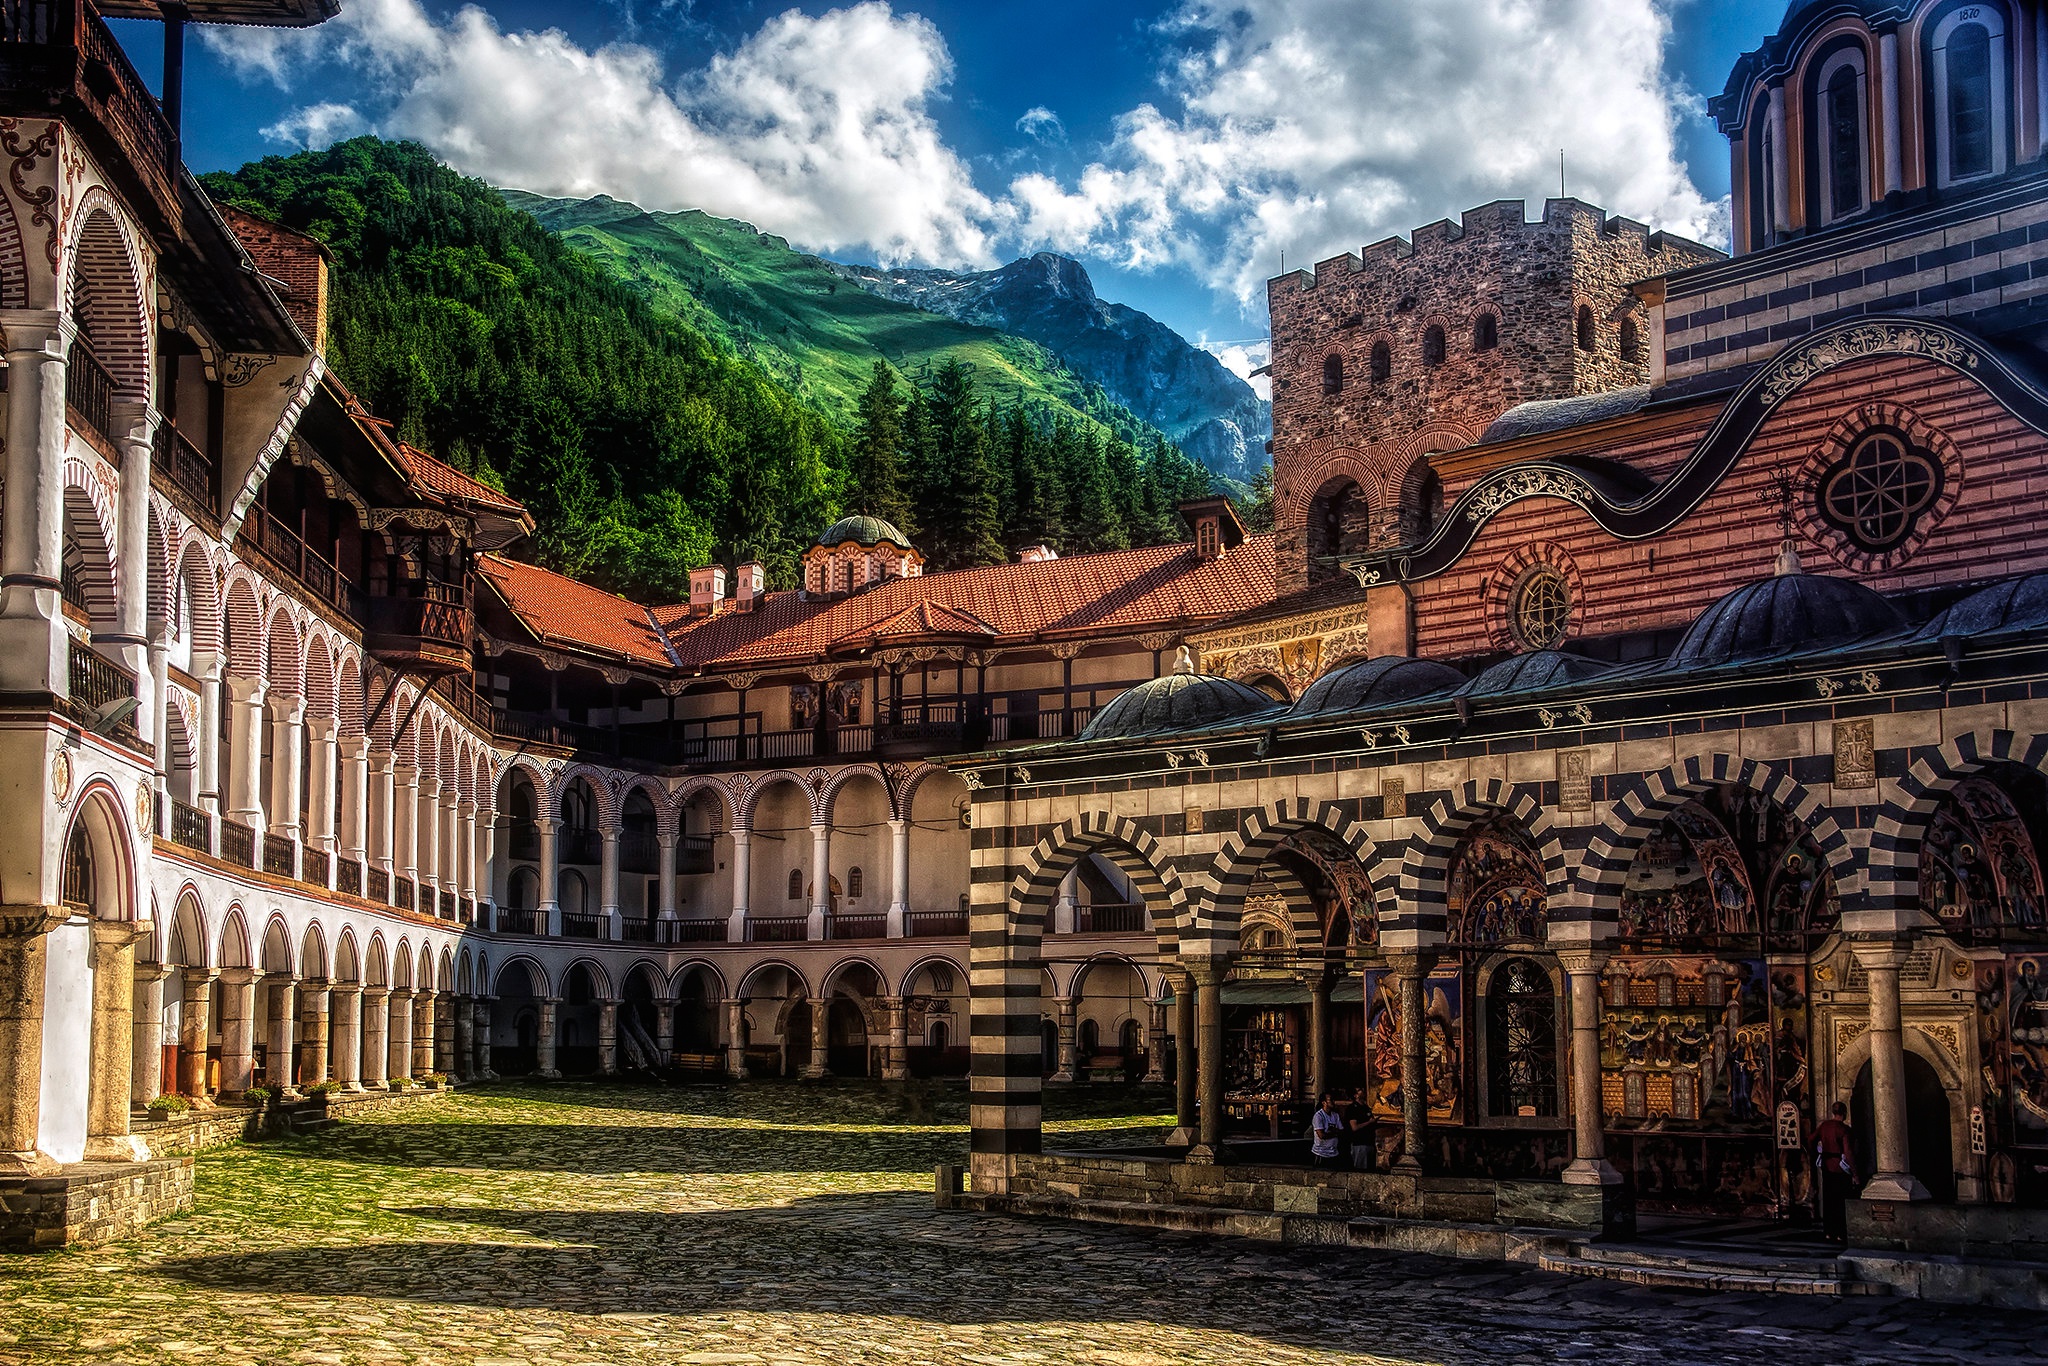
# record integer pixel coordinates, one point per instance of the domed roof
(863, 530)
(1179, 701)
(1533, 671)
(1378, 683)
(2019, 604)
(1783, 614)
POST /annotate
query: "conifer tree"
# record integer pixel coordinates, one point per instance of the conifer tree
(963, 518)
(877, 484)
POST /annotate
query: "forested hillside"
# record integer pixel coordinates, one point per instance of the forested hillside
(642, 446)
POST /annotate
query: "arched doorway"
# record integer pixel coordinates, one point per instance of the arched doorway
(1931, 1151)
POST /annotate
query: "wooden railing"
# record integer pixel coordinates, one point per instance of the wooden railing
(402, 896)
(522, 922)
(1109, 918)
(348, 877)
(857, 927)
(921, 924)
(277, 856)
(283, 547)
(188, 468)
(447, 905)
(191, 827)
(237, 843)
(440, 615)
(380, 885)
(779, 929)
(699, 930)
(96, 680)
(586, 927)
(313, 866)
(89, 390)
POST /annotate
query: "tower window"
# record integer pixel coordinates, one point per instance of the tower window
(1969, 102)
(1631, 341)
(1585, 328)
(1485, 333)
(1382, 362)
(1970, 105)
(796, 884)
(854, 882)
(1842, 126)
(1433, 346)
(1333, 374)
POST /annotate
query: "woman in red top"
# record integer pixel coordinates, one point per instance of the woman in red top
(1834, 1147)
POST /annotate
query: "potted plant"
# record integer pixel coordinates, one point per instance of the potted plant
(168, 1104)
(319, 1091)
(399, 1083)
(257, 1096)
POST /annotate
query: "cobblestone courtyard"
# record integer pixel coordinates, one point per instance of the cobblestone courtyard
(784, 1224)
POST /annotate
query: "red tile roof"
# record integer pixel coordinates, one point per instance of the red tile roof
(450, 482)
(561, 611)
(1084, 596)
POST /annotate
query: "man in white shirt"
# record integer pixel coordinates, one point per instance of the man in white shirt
(1326, 1130)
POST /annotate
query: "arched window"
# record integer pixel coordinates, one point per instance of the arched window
(78, 869)
(1585, 328)
(1521, 1042)
(1762, 205)
(796, 884)
(1631, 341)
(1382, 362)
(1967, 55)
(1433, 345)
(853, 882)
(1541, 604)
(1129, 1041)
(1485, 333)
(1333, 374)
(1840, 129)
(939, 1034)
(1091, 1040)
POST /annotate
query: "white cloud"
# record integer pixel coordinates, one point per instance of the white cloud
(1041, 125)
(1316, 126)
(318, 125)
(1240, 358)
(814, 128)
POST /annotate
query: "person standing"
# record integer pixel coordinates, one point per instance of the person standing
(1834, 1148)
(1326, 1132)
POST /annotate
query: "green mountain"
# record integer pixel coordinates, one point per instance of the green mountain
(805, 324)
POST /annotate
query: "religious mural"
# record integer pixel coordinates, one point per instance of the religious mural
(1977, 865)
(1685, 1041)
(1494, 894)
(1443, 1034)
(2028, 1054)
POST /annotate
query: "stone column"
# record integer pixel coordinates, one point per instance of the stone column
(405, 816)
(160, 726)
(1063, 1022)
(821, 880)
(287, 726)
(237, 1032)
(550, 873)
(467, 863)
(1589, 1166)
(608, 881)
(736, 1039)
(382, 805)
(1894, 1179)
(423, 808)
(1184, 1065)
(896, 1061)
(348, 1035)
(1780, 169)
(376, 1037)
(245, 753)
(480, 1039)
(206, 778)
(1155, 1041)
(1893, 131)
(195, 1030)
(282, 1033)
(398, 1026)
(321, 750)
(665, 1028)
(742, 865)
(1063, 913)
(134, 422)
(24, 954)
(423, 1036)
(462, 1062)
(489, 874)
(444, 1036)
(1411, 970)
(33, 641)
(899, 876)
(1318, 1036)
(313, 1022)
(666, 875)
(607, 1038)
(819, 1065)
(353, 816)
(544, 1039)
(113, 1043)
(1209, 1006)
(148, 1044)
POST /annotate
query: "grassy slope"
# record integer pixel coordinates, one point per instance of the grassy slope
(784, 310)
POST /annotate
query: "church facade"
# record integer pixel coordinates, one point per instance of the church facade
(1661, 754)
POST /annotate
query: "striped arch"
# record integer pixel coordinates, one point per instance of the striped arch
(665, 810)
(320, 697)
(187, 942)
(180, 732)
(829, 792)
(599, 978)
(287, 670)
(244, 621)
(1452, 817)
(482, 779)
(445, 769)
(727, 805)
(907, 786)
(1123, 842)
(200, 592)
(1245, 853)
(13, 258)
(423, 979)
(444, 970)
(607, 808)
(401, 965)
(802, 982)
(109, 291)
(90, 508)
(536, 975)
(348, 697)
(313, 963)
(1636, 815)
(536, 773)
(674, 988)
(235, 945)
(1930, 776)
(809, 784)
(375, 973)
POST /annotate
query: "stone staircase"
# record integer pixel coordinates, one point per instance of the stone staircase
(1679, 1267)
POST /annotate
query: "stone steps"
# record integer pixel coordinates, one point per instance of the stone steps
(311, 1123)
(1675, 1268)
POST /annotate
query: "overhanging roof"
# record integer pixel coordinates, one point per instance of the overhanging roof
(272, 13)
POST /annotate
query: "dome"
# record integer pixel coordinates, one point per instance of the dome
(1179, 701)
(1534, 671)
(1783, 614)
(1378, 683)
(2016, 605)
(862, 530)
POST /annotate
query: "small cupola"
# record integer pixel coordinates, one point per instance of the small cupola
(707, 589)
(1215, 525)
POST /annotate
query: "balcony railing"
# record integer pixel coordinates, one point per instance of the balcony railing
(586, 927)
(89, 390)
(857, 927)
(696, 854)
(1109, 918)
(447, 905)
(522, 922)
(348, 877)
(380, 885)
(277, 856)
(188, 468)
(466, 912)
(698, 930)
(313, 866)
(782, 929)
(639, 851)
(191, 827)
(922, 924)
(283, 547)
(637, 931)
(96, 680)
(237, 844)
(403, 893)
(437, 618)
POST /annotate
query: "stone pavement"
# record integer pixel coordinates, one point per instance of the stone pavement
(787, 1224)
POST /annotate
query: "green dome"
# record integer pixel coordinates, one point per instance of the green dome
(862, 530)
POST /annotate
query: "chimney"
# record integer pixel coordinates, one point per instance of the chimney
(707, 589)
(1034, 554)
(746, 589)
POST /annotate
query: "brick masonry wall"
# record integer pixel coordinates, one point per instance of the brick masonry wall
(293, 260)
(1531, 277)
(91, 1204)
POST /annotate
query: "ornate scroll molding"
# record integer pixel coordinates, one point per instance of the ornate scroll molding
(1859, 343)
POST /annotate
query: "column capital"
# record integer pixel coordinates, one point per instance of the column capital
(1880, 955)
(376, 993)
(197, 977)
(1412, 962)
(322, 728)
(1206, 972)
(1581, 962)
(243, 689)
(401, 993)
(239, 977)
(45, 332)
(27, 920)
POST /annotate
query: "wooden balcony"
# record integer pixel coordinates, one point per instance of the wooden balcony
(427, 631)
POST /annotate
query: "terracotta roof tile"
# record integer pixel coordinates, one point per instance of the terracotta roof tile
(563, 611)
(450, 482)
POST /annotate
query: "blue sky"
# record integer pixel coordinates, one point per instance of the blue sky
(1176, 148)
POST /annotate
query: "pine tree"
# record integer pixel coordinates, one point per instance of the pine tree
(875, 454)
(964, 517)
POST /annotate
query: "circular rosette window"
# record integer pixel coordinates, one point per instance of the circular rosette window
(1541, 605)
(1878, 493)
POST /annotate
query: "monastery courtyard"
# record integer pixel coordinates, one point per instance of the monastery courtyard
(589, 1223)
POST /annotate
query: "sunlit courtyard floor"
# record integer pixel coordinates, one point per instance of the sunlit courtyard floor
(788, 1223)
